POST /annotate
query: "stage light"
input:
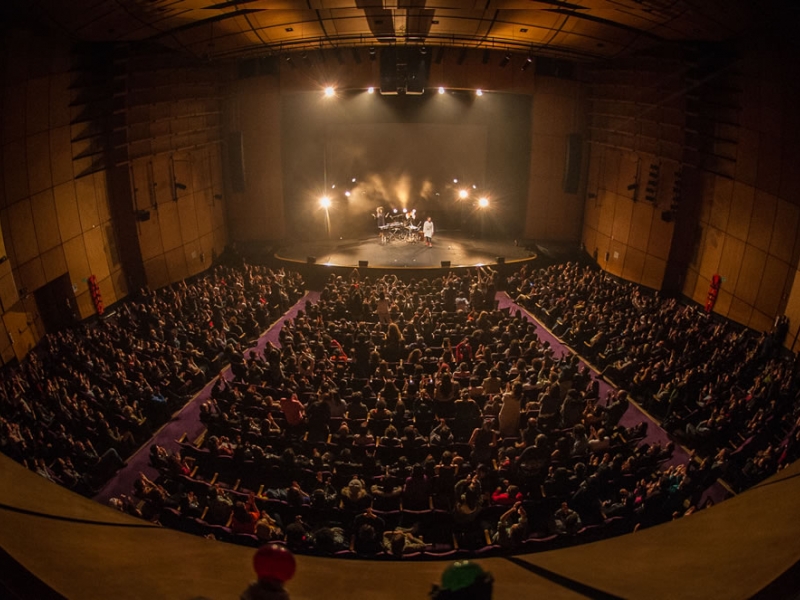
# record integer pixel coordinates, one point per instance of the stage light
(394, 210)
(333, 187)
(463, 194)
(455, 180)
(347, 193)
(329, 92)
(479, 92)
(353, 180)
(474, 187)
(506, 59)
(325, 202)
(441, 90)
(370, 90)
(372, 53)
(405, 210)
(527, 63)
(483, 202)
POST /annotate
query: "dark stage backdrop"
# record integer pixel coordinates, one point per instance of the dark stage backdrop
(405, 152)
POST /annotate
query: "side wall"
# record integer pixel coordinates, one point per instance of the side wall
(54, 208)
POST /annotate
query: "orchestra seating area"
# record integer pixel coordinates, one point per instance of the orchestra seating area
(355, 438)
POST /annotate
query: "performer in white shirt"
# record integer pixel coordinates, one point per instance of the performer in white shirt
(427, 231)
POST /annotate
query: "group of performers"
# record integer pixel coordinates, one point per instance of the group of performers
(403, 226)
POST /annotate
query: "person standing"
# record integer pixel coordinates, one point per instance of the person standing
(427, 231)
(381, 220)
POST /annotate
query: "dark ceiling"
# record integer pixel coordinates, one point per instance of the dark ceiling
(577, 29)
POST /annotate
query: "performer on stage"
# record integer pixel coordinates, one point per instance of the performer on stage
(427, 231)
(381, 218)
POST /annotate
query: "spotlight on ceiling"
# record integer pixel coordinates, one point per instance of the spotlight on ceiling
(356, 55)
(463, 194)
(483, 202)
(329, 92)
(506, 59)
(479, 92)
(441, 90)
(528, 62)
(325, 202)
(370, 90)
(423, 50)
(372, 53)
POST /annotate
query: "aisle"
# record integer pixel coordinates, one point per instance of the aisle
(634, 414)
(187, 420)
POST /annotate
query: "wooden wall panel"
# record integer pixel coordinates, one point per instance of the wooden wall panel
(69, 222)
(14, 107)
(31, 274)
(59, 100)
(741, 210)
(177, 268)
(784, 232)
(37, 114)
(753, 263)
(731, 260)
(45, 220)
(60, 155)
(77, 262)
(169, 222)
(9, 295)
(623, 213)
(156, 271)
(20, 220)
(762, 220)
(653, 274)
(96, 253)
(15, 171)
(150, 237)
(87, 203)
(721, 203)
(187, 214)
(711, 255)
(54, 263)
(633, 269)
(38, 160)
(770, 292)
(740, 310)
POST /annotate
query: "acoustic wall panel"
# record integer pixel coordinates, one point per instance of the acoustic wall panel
(762, 219)
(170, 224)
(15, 171)
(21, 227)
(87, 203)
(38, 159)
(69, 222)
(31, 274)
(96, 253)
(45, 220)
(784, 231)
(54, 263)
(741, 210)
(60, 155)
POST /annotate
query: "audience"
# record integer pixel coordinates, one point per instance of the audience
(407, 441)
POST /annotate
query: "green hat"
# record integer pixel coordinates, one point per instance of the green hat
(461, 574)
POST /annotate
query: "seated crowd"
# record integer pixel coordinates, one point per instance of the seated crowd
(87, 397)
(728, 392)
(451, 428)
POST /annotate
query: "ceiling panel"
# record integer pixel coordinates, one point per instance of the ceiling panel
(587, 29)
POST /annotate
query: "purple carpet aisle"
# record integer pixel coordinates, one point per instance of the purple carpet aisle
(634, 414)
(187, 420)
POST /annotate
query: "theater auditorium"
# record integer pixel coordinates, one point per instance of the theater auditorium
(399, 299)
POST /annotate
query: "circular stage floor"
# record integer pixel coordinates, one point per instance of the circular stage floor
(460, 251)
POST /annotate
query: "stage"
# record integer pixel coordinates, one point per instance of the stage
(448, 247)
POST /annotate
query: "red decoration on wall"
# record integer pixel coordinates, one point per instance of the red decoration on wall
(713, 290)
(97, 298)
